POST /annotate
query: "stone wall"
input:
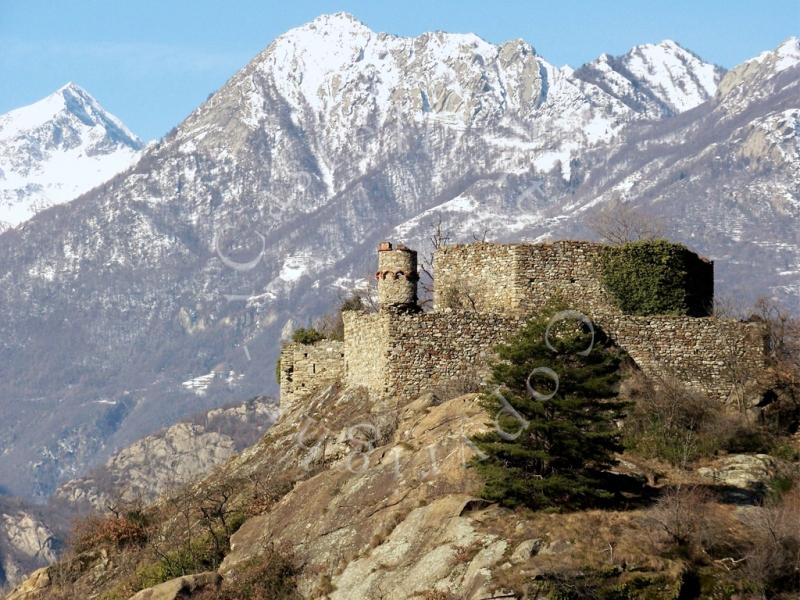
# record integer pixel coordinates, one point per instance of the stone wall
(399, 354)
(524, 278)
(305, 368)
(495, 288)
(449, 348)
(365, 349)
(477, 276)
(711, 355)
(518, 280)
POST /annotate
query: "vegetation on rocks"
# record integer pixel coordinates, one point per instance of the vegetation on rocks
(307, 335)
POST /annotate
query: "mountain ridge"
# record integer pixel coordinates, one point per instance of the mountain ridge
(263, 206)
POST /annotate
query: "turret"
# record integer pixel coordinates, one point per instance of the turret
(397, 276)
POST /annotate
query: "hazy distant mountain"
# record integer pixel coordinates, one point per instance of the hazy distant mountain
(57, 148)
(166, 290)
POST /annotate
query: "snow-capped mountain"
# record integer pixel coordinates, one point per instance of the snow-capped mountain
(57, 148)
(266, 203)
(657, 79)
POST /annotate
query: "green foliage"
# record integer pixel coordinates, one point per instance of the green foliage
(655, 277)
(784, 450)
(194, 556)
(203, 552)
(560, 455)
(307, 335)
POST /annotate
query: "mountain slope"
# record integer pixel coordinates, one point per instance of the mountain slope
(264, 206)
(57, 148)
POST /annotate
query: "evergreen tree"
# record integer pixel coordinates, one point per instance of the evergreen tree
(553, 406)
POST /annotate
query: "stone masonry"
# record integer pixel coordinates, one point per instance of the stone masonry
(484, 293)
(305, 368)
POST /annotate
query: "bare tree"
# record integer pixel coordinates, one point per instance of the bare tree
(619, 223)
(682, 515)
(783, 333)
(773, 563)
(438, 238)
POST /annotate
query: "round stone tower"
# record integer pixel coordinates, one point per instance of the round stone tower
(397, 276)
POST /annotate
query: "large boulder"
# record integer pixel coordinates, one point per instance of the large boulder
(32, 586)
(181, 587)
(749, 473)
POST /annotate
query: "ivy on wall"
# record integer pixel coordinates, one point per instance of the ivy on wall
(657, 277)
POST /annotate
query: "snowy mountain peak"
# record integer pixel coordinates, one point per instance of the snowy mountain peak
(784, 56)
(749, 78)
(334, 22)
(68, 100)
(679, 77)
(659, 79)
(53, 150)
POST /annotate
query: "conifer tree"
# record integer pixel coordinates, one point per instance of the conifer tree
(553, 404)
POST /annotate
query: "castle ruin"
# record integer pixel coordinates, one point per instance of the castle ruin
(484, 292)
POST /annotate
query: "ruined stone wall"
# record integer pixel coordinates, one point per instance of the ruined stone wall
(400, 353)
(449, 348)
(707, 354)
(365, 349)
(305, 368)
(700, 352)
(478, 276)
(569, 273)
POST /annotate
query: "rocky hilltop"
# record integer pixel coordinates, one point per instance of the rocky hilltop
(350, 499)
(254, 214)
(383, 479)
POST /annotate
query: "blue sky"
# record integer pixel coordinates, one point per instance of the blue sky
(152, 61)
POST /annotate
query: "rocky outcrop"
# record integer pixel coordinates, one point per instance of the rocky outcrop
(180, 454)
(33, 585)
(749, 473)
(181, 587)
(26, 542)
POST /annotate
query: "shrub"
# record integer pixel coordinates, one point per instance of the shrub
(654, 277)
(772, 566)
(678, 425)
(117, 531)
(194, 556)
(682, 515)
(560, 446)
(307, 335)
(272, 576)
